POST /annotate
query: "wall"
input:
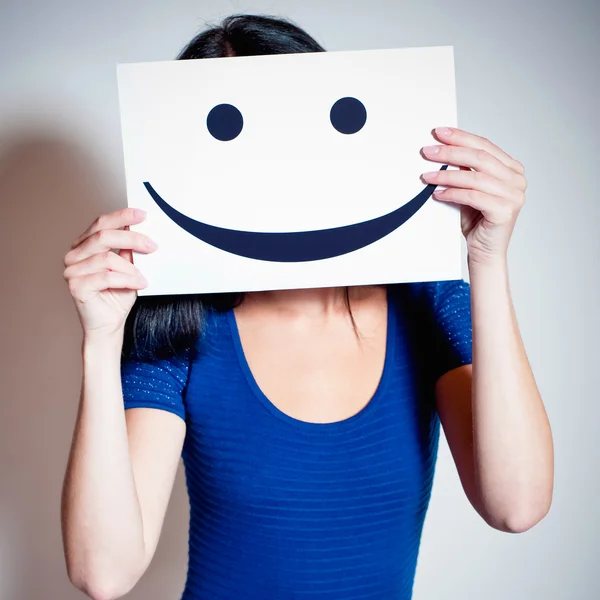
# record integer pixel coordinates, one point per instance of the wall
(528, 79)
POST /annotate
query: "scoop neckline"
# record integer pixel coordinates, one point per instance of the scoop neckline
(343, 424)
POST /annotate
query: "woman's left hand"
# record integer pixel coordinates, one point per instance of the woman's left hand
(489, 187)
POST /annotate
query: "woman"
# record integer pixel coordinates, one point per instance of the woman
(309, 419)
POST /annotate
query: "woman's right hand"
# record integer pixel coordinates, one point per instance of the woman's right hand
(104, 284)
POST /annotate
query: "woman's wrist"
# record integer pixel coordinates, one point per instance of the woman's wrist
(494, 266)
(498, 263)
(101, 347)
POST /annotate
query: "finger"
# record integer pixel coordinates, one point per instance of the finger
(480, 160)
(126, 253)
(469, 180)
(106, 239)
(459, 137)
(494, 209)
(114, 220)
(81, 288)
(105, 261)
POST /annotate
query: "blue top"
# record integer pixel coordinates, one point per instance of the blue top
(285, 509)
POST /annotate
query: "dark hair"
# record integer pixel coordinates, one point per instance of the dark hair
(162, 326)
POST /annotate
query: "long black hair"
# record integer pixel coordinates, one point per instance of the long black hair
(162, 326)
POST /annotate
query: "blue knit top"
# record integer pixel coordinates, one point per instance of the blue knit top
(286, 509)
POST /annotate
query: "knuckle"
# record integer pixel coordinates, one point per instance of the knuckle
(479, 177)
(106, 278)
(481, 155)
(142, 240)
(104, 219)
(486, 143)
(98, 223)
(507, 212)
(121, 216)
(472, 195)
(101, 236)
(73, 287)
(106, 257)
(514, 200)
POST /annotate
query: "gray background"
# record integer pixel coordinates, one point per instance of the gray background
(527, 78)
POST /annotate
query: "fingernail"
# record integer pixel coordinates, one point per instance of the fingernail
(139, 213)
(151, 244)
(443, 131)
(430, 175)
(431, 149)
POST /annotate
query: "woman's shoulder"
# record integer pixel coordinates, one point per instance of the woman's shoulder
(431, 293)
(432, 301)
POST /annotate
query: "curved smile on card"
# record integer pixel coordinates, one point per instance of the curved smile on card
(348, 116)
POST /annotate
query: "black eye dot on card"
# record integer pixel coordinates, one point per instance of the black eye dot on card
(348, 115)
(225, 122)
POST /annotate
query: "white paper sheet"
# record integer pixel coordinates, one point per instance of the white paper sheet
(289, 169)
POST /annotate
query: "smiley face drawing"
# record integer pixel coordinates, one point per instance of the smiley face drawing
(283, 171)
(348, 116)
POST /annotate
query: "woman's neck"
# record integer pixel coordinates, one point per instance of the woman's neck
(316, 302)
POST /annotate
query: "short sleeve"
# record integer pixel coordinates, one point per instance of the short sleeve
(449, 307)
(158, 383)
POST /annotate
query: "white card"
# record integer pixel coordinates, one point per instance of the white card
(289, 171)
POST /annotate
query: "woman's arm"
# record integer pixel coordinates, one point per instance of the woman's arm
(495, 421)
(496, 424)
(121, 468)
(118, 481)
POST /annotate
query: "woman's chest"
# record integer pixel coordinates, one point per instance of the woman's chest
(320, 378)
(258, 464)
(318, 370)
(315, 429)
(271, 417)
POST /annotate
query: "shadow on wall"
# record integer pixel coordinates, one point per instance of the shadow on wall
(50, 191)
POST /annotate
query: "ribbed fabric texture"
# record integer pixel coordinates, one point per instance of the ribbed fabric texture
(285, 509)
